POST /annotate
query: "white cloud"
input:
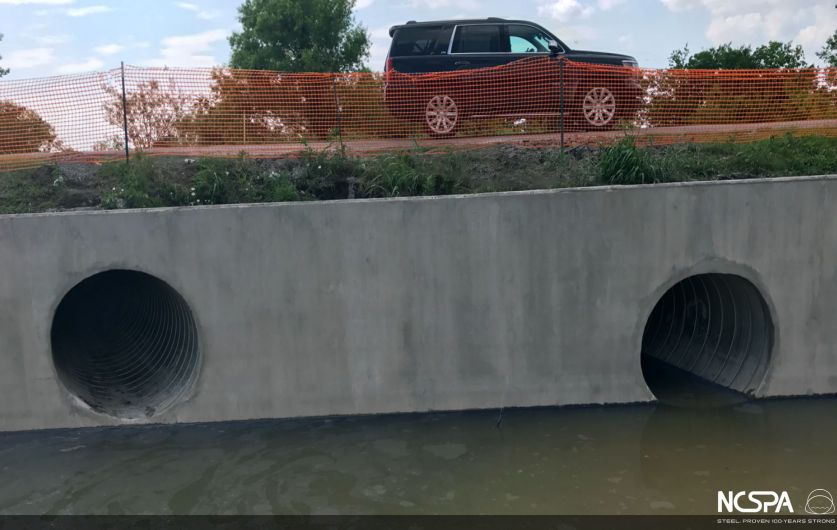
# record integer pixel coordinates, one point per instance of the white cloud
(109, 49)
(89, 10)
(75, 68)
(54, 40)
(200, 13)
(606, 5)
(681, 5)
(189, 50)
(38, 33)
(465, 5)
(806, 22)
(579, 34)
(28, 58)
(363, 4)
(380, 47)
(35, 2)
(566, 10)
(745, 27)
(626, 39)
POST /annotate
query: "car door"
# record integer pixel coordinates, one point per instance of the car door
(534, 71)
(477, 48)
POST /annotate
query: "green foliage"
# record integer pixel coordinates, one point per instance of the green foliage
(33, 190)
(774, 54)
(778, 156)
(679, 58)
(138, 184)
(222, 181)
(785, 90)
(403, 175)
(324, 175)
(3, 71)
(142, 183)
(829, 51)
(299, 36)
(625, 163)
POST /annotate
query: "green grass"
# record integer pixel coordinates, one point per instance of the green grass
(153, 182)
(624, 163)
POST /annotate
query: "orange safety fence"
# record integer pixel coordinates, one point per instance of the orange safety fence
(538, 101)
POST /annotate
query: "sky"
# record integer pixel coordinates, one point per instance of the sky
(55, 37)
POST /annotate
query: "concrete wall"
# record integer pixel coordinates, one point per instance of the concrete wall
(514, 299)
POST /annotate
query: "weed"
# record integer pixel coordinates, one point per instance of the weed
(335, 174)
(625, 163)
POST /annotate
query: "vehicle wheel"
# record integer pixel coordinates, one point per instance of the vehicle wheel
(441, 115)
(598, 108)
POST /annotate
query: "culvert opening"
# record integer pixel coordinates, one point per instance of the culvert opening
(125, 343)
(707, 342)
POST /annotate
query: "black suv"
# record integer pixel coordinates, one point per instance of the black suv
(445, 71)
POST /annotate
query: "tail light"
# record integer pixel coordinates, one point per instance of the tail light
(388, 67)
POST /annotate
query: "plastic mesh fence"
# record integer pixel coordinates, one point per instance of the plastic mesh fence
(536, 101)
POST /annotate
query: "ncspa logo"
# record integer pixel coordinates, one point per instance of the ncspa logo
(754, 502)
(819, 502)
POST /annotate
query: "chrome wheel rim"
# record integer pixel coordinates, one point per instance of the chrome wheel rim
(599, 106)
(441, 114)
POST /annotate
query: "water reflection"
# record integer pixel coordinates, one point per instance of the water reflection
(626, 459)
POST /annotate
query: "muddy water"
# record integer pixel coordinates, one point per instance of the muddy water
(627, 459)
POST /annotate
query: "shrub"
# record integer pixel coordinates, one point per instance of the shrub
(240, 180)
(624, 163)
(326, 175)
(136, 184)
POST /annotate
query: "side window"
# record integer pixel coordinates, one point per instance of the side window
(484, 38)
(526, 39)
(424, 40)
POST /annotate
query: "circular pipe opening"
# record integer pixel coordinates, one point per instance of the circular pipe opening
(125, 343)
(707, 341)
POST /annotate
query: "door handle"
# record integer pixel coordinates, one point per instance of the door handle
(462, 63)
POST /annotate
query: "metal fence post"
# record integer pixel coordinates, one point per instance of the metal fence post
(338, 109)
(125, 114)
(561, 98)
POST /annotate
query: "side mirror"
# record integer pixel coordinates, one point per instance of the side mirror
(554, 48)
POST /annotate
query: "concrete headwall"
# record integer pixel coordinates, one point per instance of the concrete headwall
(514, 299)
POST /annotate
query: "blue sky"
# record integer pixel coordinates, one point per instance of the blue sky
(53, 37)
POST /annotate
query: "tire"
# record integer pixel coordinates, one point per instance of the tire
(599, 109)
(441, 116)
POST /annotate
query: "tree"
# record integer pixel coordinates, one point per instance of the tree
(785, 89)
(154, 110)
(299, 36)
(774, 54)
(829, 51)
(3, 71)
(24, 131)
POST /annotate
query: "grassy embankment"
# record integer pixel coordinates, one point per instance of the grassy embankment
(152, 182)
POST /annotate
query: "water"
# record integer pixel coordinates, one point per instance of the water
(642, 459)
